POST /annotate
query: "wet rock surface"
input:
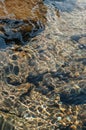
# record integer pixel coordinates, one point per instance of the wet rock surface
(20, 21)
(43, 82)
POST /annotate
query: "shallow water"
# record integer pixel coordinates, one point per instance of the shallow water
(45, 69)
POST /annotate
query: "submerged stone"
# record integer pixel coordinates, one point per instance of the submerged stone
(20, 21)
(20, 9)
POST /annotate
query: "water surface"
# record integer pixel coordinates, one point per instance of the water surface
(43, 70)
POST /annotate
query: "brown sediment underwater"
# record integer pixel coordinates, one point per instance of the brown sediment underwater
(23, 9)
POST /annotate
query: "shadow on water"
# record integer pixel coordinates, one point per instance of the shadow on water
(18, 31)
(63, 5)
(73, 98)
(74, 95)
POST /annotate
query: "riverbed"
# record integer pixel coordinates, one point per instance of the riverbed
(43, 69)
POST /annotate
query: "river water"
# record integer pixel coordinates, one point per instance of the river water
(43, 72)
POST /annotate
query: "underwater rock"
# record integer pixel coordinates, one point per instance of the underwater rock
(20, 21)
(19, 9)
